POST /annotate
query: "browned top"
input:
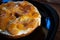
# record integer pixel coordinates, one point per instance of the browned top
(17, 16)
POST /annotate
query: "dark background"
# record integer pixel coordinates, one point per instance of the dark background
(56, 5)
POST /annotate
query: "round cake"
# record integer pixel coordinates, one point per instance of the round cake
(18, 18)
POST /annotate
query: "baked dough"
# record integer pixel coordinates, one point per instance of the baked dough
(18, 18)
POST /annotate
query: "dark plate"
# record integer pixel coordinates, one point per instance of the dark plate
(50, 21)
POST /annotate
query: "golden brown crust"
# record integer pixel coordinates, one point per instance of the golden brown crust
(15, 17)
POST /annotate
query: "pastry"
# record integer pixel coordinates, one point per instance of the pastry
(18, 18)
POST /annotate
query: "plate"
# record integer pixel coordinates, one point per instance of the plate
(50, 21)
